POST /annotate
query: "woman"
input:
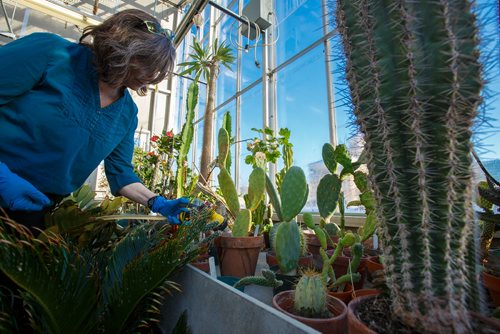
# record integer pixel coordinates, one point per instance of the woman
(64, 108)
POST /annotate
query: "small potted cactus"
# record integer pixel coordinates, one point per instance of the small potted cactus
(310, 304)
(238, 252)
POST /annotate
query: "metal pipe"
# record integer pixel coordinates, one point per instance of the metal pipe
(187, 21)
(227, 11)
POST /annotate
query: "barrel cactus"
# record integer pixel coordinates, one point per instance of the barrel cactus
(310, 296)
(415, 80)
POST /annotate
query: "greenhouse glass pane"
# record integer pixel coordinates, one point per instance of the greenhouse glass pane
(251, 117)
(303, 108)
(299, 25)
(226, 82)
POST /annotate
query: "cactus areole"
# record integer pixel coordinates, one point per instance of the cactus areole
(415, 80)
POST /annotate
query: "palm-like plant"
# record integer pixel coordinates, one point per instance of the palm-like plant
(69, 289)
(206, 62)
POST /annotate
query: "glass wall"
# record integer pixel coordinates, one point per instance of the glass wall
(303, 109)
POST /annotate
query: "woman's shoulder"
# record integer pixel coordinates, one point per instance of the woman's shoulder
(47, 37)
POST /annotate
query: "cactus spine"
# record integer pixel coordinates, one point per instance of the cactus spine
(256, 189)
(186, 138)
(415, 81)
(310, 296)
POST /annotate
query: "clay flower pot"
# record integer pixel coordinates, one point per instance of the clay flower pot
(201, 262)
(337, 324)
(355, 325)
(345, 295)
(313, 244)
(341, 265)
(364, 292)
(238, 256)
(373, 264)
(492, 283)
(304, 261)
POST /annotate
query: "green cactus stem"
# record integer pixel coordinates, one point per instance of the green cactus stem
(227, 124)
(294, 192)
(256, 187)
(229, 193)
(287, 246)
(273, 197)
(268, 279)
(327, 195)
(186, 139)
(310, 296)
(242, 223)
(223, 146)
(415, 80)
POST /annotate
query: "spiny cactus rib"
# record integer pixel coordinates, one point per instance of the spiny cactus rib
(415, 80)
(268, 278)
(273, 197)
(242, 223)
(327, 195)
(228, 189)
(223, 142)
(310, 296)
(328, 153)
(294, 191)
(256, 187)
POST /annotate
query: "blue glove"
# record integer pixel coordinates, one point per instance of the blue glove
(17, 194)
(170, 208)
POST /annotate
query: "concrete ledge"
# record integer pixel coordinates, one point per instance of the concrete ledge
(215, 307)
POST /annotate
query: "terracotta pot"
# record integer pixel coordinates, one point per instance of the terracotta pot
(283, 301)
(304, 261)
(372, 264)
(364, 292)
(355, 325)
(344, 296)
(492, 283)
(313, 244)
(203, 265)
(238, 256)
(341, 265)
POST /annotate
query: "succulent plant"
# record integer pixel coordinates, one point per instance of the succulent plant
(415, 81)
(287, 239)
(268, 278)
(256, 189)
(310, 296)
(187, 139)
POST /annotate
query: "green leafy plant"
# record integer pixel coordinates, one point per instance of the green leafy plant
(68, 288)
(206, 62)
(415, 80)
(156, 168)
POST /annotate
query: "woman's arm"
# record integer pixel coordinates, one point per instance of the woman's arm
(137, 192)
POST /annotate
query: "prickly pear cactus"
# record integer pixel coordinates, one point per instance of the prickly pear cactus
(287, 246)
(294, 192)
(310, 296)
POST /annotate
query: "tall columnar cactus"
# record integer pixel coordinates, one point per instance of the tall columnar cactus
(256, 189)
(415, 81)
(186, 138)
(227, 124)
(293, 197)
(310, 296)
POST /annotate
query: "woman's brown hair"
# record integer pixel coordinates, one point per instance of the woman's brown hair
(125, 49)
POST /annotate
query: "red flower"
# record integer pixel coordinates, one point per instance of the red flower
(155, 138)
(151, 153)
(170, 134)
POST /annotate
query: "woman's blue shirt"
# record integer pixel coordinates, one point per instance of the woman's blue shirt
(53, 131)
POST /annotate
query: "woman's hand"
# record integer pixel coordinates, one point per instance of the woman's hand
(17, 194)
(170, 208)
